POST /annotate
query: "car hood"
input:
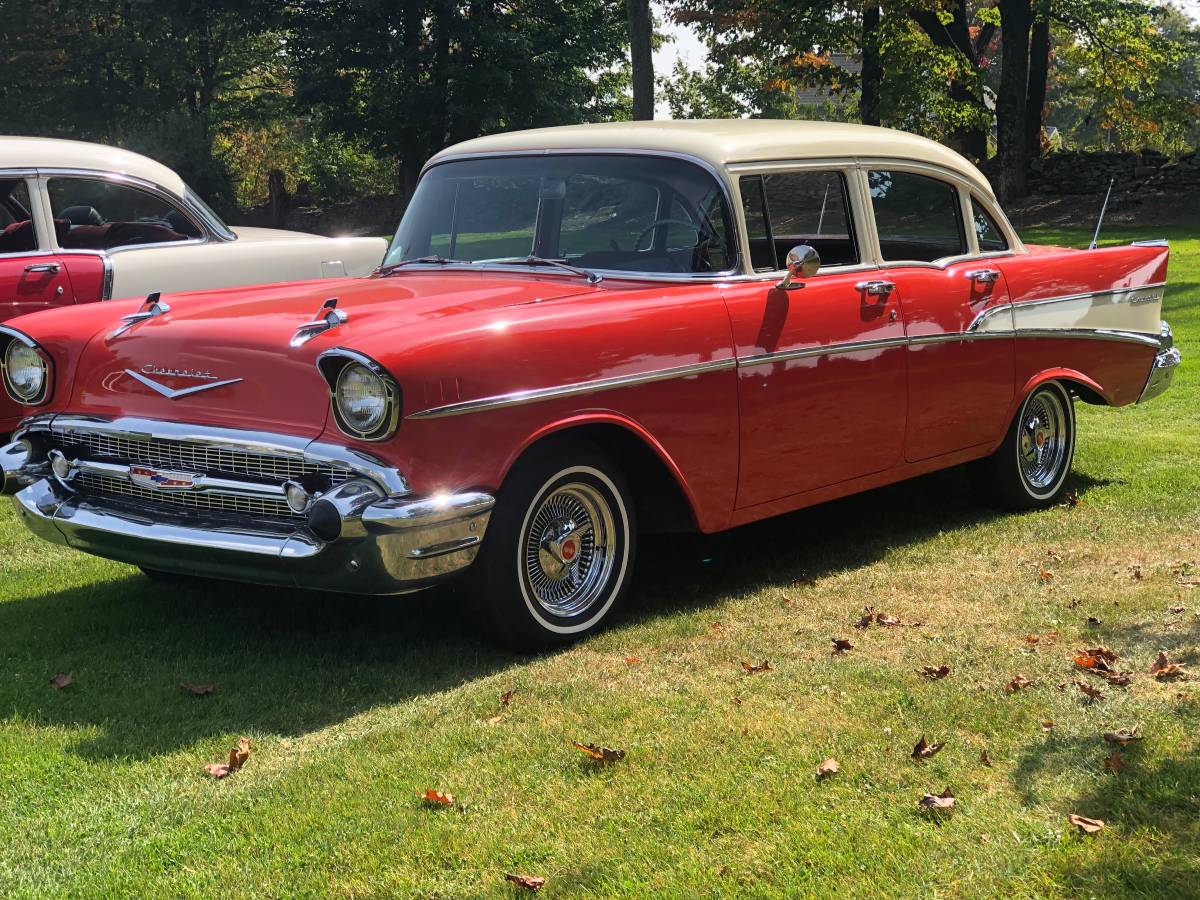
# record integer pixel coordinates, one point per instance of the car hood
(225, 358)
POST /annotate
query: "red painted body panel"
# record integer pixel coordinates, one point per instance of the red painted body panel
(744, 443)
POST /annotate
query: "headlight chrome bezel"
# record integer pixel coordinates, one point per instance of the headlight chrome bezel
(9, 338)
(333, 365)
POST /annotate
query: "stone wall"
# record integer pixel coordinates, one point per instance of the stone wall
(1078, 172)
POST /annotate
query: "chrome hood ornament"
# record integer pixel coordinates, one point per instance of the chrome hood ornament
(327, 318)
(152, 308)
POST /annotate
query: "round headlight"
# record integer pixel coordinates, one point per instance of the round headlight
(24, 372)
(362, 399)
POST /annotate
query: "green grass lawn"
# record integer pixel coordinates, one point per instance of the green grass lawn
(354, 706)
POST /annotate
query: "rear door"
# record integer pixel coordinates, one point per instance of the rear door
(960, 381)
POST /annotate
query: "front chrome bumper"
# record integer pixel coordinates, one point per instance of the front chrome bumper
(358, 537)
(1162, 370)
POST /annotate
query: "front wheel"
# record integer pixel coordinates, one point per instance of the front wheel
(558, 555)
(1029, 469)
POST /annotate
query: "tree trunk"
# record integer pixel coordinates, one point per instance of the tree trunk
(1016, 17)
(970, 140)
(641, 32)
(1035, 100)
(872, 65)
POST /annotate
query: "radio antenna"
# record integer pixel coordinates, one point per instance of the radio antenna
(1103, 209)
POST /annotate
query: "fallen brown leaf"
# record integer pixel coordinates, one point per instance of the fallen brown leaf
(605, 755)
(1086, 825)
(1091, 692)
(1176, 609)
(1114, 762)
(1164, 668)
(1093, 622)
(934, 673)
(529, 882)
(1123, 736)
(1054, 555)
(841, 645)
(925, 750)
(887, 621)
(984, 759)
(437, 798)
(506, 697)
(237, 758)
(1019, 682)
(937, 802)
(198, 690)
(866, 618)
(1045, 575)
(1047, 725)
(1135, 572)
(737, 701)
(1118, 678)
(1031, 639)
(764, 666)
(1102, 654)
(62, 679)
(1070, 500)
(633, 660)
(827, 768)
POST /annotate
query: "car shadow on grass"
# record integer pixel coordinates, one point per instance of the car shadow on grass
(291, 662)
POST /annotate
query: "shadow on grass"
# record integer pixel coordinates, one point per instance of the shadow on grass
(290, 662)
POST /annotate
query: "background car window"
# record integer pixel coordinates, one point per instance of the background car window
(917, 217)
(791, 208)
(990, 237)
(96, 214)
(17, 233)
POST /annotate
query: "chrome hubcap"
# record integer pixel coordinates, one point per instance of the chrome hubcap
(569, 549)
(1043, 440)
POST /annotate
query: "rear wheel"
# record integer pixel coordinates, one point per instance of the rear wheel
(1029, 469)
(559, 550)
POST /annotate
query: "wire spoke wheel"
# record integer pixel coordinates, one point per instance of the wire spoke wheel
(1043, 437)
(568, 549)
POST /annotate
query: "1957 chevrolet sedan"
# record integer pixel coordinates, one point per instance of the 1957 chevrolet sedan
(580, 334)
(84, 222)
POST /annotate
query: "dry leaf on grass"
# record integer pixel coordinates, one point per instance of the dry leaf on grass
(633, 660)
(937, 802)
(62, 679)
(1135, 572)
(198, 690)
(1018, 683)
(1124, 736)
(1090, 692)
(1031, 639)
(506, 697)
(1045, 575)
(1164, 668)
(1176, 609)
(1047, 725)
(605, 755)
(1086, 825)
(764, 666)
(237, 758)
(984, 759)
(1093, 622)
(827, 768)
(866, 618)
(934, 673)
(841, 645)
(887, 621)
(529, 882)
(1114, 762)
(1070, 500)
(437, 798)
(924, 750)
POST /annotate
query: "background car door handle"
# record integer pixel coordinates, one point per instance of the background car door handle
(984, 276)
(43, 267)
(876, 287)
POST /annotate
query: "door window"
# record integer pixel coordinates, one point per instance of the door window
(17, 234)
(97, 214)
(917, 217)
(991, 238)
(789, 208)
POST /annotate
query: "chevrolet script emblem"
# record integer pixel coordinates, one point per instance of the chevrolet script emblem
(144, 476)
(172, 393)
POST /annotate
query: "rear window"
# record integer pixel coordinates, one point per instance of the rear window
(918, 218)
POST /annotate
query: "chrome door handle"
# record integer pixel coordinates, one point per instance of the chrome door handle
(984, 276)
(43, 267)
(876, 287)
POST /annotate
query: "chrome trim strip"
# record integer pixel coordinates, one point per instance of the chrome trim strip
(1094, 334)
(1063, 298)
(182, 392)
(20, 336)
(824, 350)
(520, 398)
(202, 483)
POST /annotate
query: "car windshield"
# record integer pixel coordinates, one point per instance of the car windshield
(617, 213)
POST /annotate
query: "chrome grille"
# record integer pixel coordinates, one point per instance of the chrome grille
(200, 458)
(254, 507)
(194, 457)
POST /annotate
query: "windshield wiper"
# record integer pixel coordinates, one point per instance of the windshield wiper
(424, 260)
(592, 277)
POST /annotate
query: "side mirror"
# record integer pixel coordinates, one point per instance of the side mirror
(803, 261)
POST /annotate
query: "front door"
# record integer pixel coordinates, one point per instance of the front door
(31, 277)
(821, 369)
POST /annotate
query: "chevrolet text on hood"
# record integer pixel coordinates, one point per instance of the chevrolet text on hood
(577, 335)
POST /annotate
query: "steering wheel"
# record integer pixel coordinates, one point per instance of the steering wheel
(657, 222)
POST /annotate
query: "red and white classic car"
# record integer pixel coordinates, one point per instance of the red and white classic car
(84, 222)
(580, 334)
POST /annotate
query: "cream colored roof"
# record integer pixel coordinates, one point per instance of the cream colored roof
(51, 153)
(723, 141)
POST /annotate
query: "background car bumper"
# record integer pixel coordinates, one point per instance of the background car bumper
(388, 547)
